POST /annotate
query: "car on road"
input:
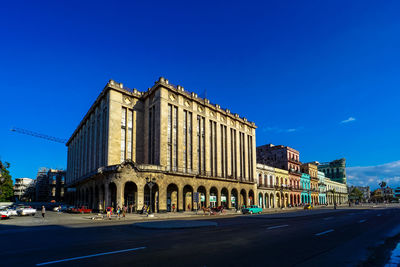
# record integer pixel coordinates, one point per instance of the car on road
(252, 209)
(82, 209)
(26, 210)
(13, 211)
(308, 207)
(62, 208)
(4, 213)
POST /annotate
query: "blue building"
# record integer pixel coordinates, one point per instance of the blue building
(322, 188)
(305, 182)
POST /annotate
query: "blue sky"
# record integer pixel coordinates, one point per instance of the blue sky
(319, 76)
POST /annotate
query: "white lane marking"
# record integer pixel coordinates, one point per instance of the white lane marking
(361, 221)
(278, 226)
(328, 218)
(379, 215)
(325, 232)
(90, 256)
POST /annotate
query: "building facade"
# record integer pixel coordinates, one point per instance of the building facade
(266, 186)
(24, 189)
(284, 158)
(50, 185)
(322, 188)
(161, 147)
(306, 188)
(336, 193)
(312, 170)
(335, 170)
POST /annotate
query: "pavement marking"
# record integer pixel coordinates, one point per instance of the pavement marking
(379, 215)
(278, 226)
(352, 214)
(325, 232)
(361, 221)
(328, 218)
(90, 256)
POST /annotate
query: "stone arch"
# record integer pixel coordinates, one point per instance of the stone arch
(213, 196)
(187, 197)
(271, 201)
(243, 198)
(224, 197)
(202, 196)
(286, 203)
(154, 197)
(130, 195)
(260, 200)
(251, 197)
(234, 198)
(266, 201)
(278, 200)
(112, 189)
(172, 197)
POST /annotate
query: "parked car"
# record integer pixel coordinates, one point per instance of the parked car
(26, 210)
(13, 211)
(308, 207)
(82, 209)
(4, 213)
(62, 208)
(252, 209)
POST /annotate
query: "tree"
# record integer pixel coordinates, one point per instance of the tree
(6, 183)
(356, 194)
(382, 184)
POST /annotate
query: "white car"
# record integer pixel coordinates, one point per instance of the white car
(26, 210)
(12, 211)
(4, 214)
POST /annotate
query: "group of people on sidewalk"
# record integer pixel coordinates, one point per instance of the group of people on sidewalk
(118, 211)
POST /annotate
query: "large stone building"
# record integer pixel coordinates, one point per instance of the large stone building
(336, 193)
(165, 140)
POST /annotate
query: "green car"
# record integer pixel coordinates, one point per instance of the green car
(252, 209)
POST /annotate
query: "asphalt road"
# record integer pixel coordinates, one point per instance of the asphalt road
(342, 238)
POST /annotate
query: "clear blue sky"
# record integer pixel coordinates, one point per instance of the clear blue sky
(296, 68)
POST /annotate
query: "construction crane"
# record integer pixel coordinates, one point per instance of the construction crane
(39, 135)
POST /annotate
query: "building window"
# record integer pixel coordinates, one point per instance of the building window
(224, 156)
(233, 154)
(123, 133)
(250, 149)
(172, 153)
(213, 148)
(152, 137)
(129, 137)
(201, 144)
(187, 141)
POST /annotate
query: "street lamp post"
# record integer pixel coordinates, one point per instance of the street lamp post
(151, 183)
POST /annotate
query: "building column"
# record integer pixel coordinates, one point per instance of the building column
(106, 195)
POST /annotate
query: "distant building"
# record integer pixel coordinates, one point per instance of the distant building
(24, 189)
(364, 189)
(397, 192)
(312, 170)
(50, 185)
(283, 158)
(322, 188)
(336, 192)
(335, 170)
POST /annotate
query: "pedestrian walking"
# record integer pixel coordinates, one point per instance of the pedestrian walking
(173, 207)
(124, 209)
(43, 211)
(119, 212)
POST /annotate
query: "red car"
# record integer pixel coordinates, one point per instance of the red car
(82, 209)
